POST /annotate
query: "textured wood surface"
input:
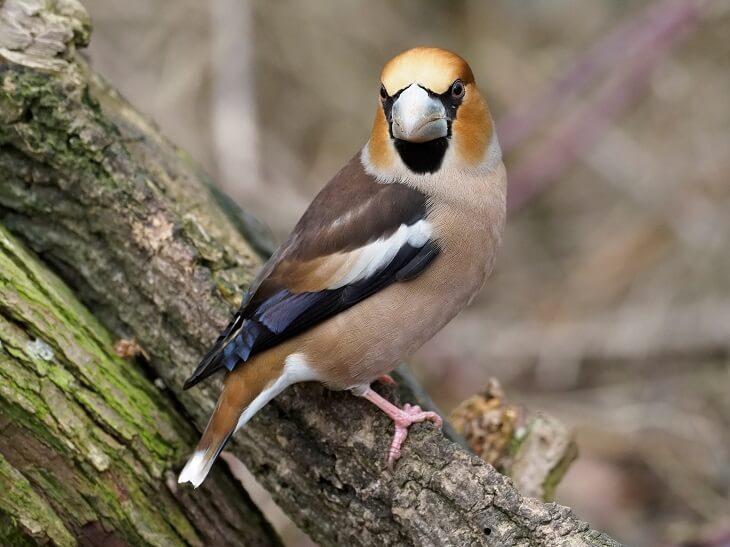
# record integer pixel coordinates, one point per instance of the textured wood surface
(131, 225)
(87, 440)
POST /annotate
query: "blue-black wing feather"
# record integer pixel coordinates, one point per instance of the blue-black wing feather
(351, 211)
(286, 314)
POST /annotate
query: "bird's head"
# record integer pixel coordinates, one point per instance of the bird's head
(430, 116)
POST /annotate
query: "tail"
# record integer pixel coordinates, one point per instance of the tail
(246, 390)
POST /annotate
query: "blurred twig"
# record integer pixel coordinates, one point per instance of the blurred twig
(233, 104)
(534, 449)
(627, 55)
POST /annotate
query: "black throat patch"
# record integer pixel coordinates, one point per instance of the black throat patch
(422, 157)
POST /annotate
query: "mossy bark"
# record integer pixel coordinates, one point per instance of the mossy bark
(87, 440)
(126, 219)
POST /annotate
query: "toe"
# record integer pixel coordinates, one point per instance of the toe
(436, 419)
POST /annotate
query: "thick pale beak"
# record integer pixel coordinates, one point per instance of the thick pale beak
(418, 117)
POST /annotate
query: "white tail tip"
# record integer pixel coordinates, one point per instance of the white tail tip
(196, 469)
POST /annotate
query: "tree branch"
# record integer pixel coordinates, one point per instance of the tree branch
(87, 441)
(126, 219)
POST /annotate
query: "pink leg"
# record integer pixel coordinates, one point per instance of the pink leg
(386, 379)
(402, 418)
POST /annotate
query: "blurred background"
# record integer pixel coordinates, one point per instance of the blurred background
(610, 306)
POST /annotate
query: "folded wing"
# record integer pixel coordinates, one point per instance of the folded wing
(357, 237)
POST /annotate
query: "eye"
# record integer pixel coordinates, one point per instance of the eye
(383, 92)
(457, 89)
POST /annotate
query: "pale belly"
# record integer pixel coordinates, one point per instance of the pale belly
(371, 338)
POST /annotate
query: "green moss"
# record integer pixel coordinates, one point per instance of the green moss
(556, 474)
(109, 388)
(12, 534)
(58, 123)
(25, 518)
(66, 393)
(517, 439)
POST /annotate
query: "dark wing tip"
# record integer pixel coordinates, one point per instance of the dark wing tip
(199, 376)
(190, 382)
(232, 347)
(210, 364)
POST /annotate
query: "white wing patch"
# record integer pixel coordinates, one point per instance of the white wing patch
(367, 260)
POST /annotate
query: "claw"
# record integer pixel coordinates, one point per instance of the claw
(411, 415)
(403, 419)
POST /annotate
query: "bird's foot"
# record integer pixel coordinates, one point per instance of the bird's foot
(409, 415)
(403, 418)
(387, 379)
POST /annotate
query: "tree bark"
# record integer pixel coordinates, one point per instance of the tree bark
(87, 441)
(126, 219)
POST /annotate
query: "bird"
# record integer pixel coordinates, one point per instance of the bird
(394, 246)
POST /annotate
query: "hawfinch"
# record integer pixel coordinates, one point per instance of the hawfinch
(391, 249)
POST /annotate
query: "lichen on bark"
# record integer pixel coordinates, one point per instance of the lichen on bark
(87, 440)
